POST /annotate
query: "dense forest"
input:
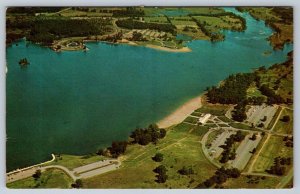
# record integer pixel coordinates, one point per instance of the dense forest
(33, 10)
(233, 90)
(45, 31)
(128, 12)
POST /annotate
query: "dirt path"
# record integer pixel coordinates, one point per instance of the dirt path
(259, 174)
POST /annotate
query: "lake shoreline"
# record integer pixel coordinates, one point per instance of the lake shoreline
(83, 47)
(181, 113)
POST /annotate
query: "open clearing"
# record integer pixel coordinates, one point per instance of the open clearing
(274, 147)
(51, 178)
(285, 127)
(181, 147)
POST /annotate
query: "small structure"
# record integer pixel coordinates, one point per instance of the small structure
(203, 119)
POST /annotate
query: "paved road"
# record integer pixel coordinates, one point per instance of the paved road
(205, 151)
(85, 171)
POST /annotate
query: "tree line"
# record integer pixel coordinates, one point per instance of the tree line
(151, 134)
(233, 90)
(46, 30)
(220, 177)
(133, 24)
(128, 12)
(33, 10)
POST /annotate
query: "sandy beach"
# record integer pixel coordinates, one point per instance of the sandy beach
(180, 113)
(181, 50)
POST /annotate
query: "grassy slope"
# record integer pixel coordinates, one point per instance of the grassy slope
(51, 178)
(181, 147)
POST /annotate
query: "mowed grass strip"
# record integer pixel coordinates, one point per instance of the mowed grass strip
(51, 178)
(179, 147)
(274, 147)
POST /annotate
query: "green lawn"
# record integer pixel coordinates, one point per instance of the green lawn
(51, 178)
(180, 148)
(197, 114)
(193, 120)
(225, 119)
(253, 91)
(214, 109)
(285, 127)
(255, 182)
(72, 161)
(274, 147)
(156, 19)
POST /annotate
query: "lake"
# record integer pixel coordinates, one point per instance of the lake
(75, 102)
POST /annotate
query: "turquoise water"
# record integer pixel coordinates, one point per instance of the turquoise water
(76, 102)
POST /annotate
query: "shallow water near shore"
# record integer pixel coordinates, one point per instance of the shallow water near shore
(75, 102)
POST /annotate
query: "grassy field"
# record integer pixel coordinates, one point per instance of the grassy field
(253, 91)
(285, 127)
(72, 161)
(255, 182)
(51, 178)
(156, 19)
(225, 119)
(274, 147)
(274, 118)
(215, 109)
(181, 147)
(216, 23)
(193, 120)
(181, 11)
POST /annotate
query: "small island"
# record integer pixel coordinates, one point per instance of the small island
(23, 62)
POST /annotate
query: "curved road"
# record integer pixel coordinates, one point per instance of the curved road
(85, 171)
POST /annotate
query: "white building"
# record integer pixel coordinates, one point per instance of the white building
(203, 119)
